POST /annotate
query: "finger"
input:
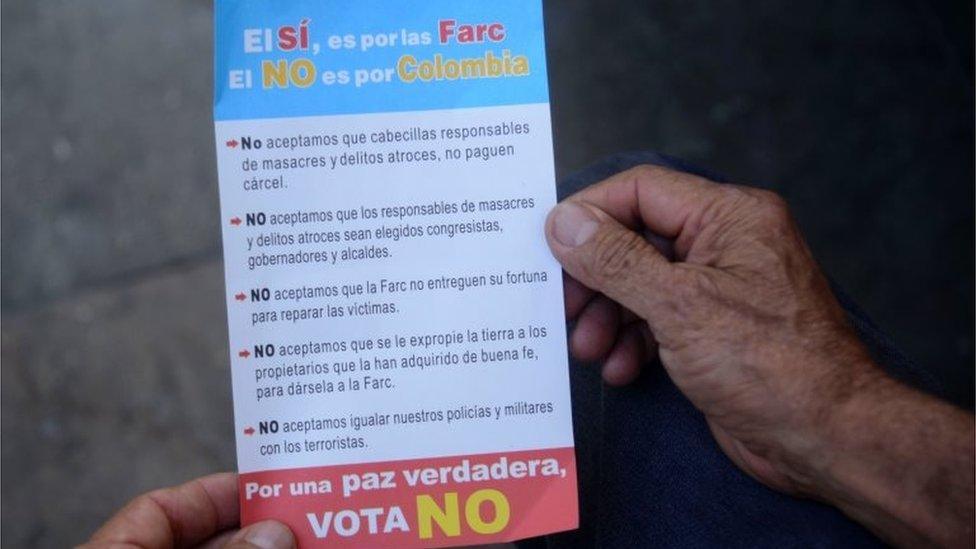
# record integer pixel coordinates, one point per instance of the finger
(599, 252)
(624, 363)
(181, 516)
(650, 343)
(669, 203)
(663, 245)
(220, 540)
(269, 534)
(627, 316)
(575, 296)
(596, 330)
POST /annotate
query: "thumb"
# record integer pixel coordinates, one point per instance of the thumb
(595, 249)
(269, 534)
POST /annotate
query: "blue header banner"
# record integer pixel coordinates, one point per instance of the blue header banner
(276, 59)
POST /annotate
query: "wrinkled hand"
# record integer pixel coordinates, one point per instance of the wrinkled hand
(742, 318)
(201, 513)
(718, 282)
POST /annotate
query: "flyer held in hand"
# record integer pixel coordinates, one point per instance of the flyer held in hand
(396, 323)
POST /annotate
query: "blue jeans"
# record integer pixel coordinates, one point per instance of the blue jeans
(650, 473)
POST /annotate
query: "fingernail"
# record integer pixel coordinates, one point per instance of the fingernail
(572, 224)
(269, 535)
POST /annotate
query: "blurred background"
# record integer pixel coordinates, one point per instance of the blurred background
(115, 372)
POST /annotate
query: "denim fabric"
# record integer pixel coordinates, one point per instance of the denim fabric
(650, 473)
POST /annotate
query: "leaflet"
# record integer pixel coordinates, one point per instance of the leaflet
(395, 318)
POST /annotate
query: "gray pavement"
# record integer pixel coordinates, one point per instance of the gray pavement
(109, 393)
(114, 359)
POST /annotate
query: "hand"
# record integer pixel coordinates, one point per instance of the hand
(717, 281)
(200, 513)
(744, 321)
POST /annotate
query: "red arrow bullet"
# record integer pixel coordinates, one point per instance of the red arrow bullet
(232, 143)
(249, 431)
(235, 221)
(244, 354)
(241, 296)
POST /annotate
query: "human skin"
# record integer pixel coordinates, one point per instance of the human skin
(717, 281)
(201, 513)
